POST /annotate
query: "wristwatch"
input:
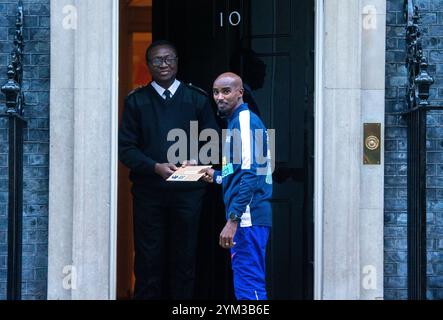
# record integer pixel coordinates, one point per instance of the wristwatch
(233, 217)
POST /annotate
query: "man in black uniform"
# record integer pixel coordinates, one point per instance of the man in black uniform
(166, 214)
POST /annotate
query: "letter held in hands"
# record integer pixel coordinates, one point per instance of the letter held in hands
(188, 174)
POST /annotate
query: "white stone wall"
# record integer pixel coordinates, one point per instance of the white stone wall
(352, 92)
(82, 149)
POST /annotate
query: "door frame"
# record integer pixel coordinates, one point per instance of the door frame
(318, 150)
(318, 170)
(114, 156)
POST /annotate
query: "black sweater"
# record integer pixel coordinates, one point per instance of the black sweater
(147, 120)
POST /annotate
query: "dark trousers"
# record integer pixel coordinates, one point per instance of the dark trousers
(166, 224)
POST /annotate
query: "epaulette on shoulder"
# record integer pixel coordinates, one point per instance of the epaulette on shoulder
(135, 90)
(198, 89)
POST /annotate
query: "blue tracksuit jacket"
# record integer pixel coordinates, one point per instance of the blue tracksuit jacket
(246, 176)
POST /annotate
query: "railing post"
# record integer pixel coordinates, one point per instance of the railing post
(14, 113)
(417, 204)
(417, 95)
(15, 206)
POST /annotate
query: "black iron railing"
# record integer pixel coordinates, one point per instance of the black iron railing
(13, 92)
(417, 95)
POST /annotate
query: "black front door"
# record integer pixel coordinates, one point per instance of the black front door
(270, 44)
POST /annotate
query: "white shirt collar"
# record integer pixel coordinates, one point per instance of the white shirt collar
(160, 90)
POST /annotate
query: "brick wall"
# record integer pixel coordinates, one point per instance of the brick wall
(36, 144)
(395, 282)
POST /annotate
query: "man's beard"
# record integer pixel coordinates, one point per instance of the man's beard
(222, 114)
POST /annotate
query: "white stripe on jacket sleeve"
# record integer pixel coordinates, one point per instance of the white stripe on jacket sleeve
(245, 131)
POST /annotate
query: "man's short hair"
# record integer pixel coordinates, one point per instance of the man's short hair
(159, 43)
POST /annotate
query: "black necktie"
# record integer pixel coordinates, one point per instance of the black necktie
(167, 94)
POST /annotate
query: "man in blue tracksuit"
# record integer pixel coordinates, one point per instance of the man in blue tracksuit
(246, 178)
